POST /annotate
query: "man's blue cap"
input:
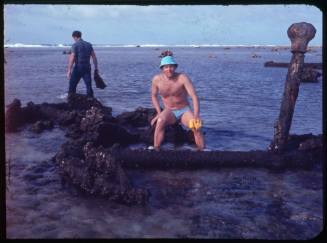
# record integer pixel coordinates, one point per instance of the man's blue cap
(168, 60)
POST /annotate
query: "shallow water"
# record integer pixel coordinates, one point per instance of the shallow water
(239, 97)
(228, 203)
(240, 100)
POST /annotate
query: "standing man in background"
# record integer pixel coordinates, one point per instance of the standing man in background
(81, 52)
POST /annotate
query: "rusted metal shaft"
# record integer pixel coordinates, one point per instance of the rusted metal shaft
(300, 35)
(286, 65)
(215, 160)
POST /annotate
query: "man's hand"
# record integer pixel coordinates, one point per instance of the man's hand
(195, 124)
(71, 61)
(197, 117)
(154, 120)
(69, 74)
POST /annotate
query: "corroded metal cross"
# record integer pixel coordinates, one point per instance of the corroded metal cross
(300, 35)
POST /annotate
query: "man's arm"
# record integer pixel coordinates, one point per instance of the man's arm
(155, 100)
(154, 96)
(192, 93)
(94, 59)
(71, 61)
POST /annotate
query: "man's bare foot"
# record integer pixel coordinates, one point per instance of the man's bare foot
(154, 148)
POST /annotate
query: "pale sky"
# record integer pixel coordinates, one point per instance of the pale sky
(158, 24)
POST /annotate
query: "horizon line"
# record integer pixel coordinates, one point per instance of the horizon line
(17, 45)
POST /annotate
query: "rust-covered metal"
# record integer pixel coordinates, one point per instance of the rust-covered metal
(300, 35)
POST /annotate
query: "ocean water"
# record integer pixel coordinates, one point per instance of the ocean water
(239, 97)
(239, 100)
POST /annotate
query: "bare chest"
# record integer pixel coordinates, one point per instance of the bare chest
(168, 88)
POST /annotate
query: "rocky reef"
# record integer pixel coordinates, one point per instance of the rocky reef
(96, 172)
(96, 156)
(86, 159)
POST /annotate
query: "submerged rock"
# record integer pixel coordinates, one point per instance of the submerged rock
(309, 75)
(40, 126)
(63, 114)
(88, 118)
(138, 122)
(96, 156)
(13, 116)
(86, 159)
(141, 117)
(255, 55)
(95, 171)
(98, 128)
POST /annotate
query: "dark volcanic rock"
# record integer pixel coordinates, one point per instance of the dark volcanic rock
(82, 102)
(13, 116)
(40, 126)
(304, 142)
(88, 118)
(32, 113)
(173, 134)
(141, 117)
(310, 75)
(311, 143)
(85, 159)
(138, 122)
(63, 114)
(72, 148)
(91, 161)
(74, 131)
(17, 116)
(97, 128)
(95, 171)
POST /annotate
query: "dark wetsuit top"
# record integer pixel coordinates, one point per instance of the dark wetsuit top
(82, 50)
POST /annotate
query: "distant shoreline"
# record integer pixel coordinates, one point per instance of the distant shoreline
(20, 45)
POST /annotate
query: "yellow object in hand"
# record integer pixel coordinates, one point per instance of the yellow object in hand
(195, 124)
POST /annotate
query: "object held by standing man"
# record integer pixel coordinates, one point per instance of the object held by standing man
(81, 52)
(99, 82)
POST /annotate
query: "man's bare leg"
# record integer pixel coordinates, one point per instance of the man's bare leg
(166, 117)
(198, 135)
(199, 139)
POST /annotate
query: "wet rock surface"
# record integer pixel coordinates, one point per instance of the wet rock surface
(97, 160)
(86, 159)
(86, 117)
(13, 116)
(96, 172)
(40, 126)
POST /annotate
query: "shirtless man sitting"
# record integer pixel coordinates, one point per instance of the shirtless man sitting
(174, 89)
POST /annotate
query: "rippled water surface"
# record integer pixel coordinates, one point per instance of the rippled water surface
(239, 97)
(240, 101)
